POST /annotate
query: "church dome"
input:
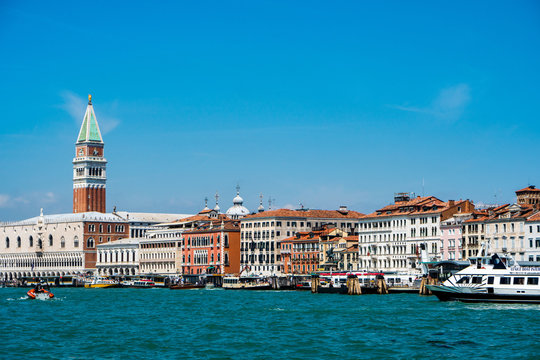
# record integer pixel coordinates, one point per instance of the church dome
(238, 200)
(238, 210)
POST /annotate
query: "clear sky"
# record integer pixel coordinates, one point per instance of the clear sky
(323, 103)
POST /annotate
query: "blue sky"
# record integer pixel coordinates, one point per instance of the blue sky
(322, 103)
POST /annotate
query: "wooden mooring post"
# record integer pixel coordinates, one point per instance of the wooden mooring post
(353, 285)
(427, 280)
(315, 282)
(382, 288)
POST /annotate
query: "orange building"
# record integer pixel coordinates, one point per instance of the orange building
(212, 248)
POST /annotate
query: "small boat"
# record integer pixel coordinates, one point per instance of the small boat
(209, 286)
(99, 282)
(186, 286)
(39, 293)
(246, 283)
(492, 279)
(139, 284)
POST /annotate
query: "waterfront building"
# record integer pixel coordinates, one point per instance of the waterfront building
(505, 231)
(347, 253)
(118, 258)
(162, 250)
(390, 238)
(452, 237)
(532, 227)
(300, 253)
(261, 233)
(349, 258)
(212, 248)
(89, 166)
(332, 244)
(56, 245)
(528, 196)
(474, 231)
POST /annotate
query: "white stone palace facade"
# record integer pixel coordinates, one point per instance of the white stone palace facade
(55, 245)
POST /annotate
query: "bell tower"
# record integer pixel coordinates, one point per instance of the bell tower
(89, 166)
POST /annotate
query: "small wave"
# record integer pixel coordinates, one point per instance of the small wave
(439, 343)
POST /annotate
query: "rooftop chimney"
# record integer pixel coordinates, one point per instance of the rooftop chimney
(343, 210)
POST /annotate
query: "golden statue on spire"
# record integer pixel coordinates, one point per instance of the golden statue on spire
(89, 99)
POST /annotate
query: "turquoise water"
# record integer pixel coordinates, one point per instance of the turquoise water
(220, 324)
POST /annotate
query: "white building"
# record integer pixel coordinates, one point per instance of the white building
(532, 230)
(118, 258)
(505, 231)
(390, 238)
(56, 245)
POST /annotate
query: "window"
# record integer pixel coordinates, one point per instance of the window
(7, 242)
(90, 243)
(62, 242)
(50, 240)
(109, 228)
(490, 280)
(18, 241)
(476, 280)
(505, 280)
(463, 280)
(532, 281)
(76, 242)
(519, 281)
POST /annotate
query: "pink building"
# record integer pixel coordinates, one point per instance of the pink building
(451, 237)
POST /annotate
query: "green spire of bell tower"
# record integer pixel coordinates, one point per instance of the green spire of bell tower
(90, 129)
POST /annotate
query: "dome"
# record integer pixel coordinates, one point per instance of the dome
(238, 200)
(237, 210)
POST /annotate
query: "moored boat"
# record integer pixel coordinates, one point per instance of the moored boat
(492, 279)
(246, 283)
(100, 282)
(139, 283)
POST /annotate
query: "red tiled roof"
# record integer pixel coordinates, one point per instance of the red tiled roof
(312, 214)
(535, 217)
(417, 206)
(310, 235)
(216, 227)
(501, 213)
(530, 188)
(201, 218)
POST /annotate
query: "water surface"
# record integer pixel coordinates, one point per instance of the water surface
(221, 324)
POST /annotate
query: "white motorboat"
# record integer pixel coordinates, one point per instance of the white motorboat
(492, 279)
